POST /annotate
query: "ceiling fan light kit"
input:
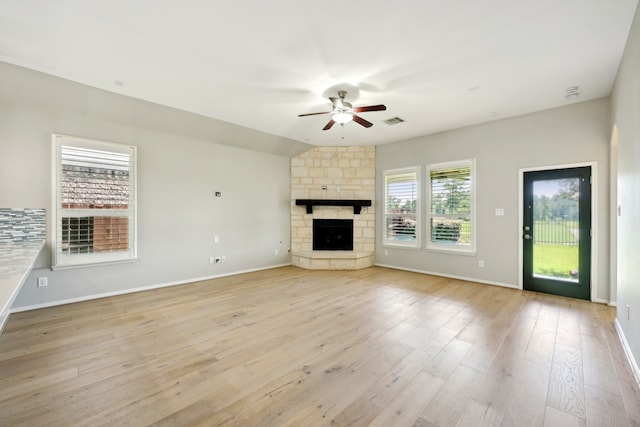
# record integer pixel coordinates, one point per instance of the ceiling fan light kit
(342, 117)
(343, 112)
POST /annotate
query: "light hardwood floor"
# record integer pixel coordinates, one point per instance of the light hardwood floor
(292, 347)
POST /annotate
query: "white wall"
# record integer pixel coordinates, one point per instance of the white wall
(182, 160)
(626, 117)
(572, 134)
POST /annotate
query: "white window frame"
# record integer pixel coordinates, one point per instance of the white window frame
(399, 243)
(60, 260)
(454, 248)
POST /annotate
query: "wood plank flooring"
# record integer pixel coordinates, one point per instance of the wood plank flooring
(292, 347)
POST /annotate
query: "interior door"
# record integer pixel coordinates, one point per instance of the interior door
(557, 232)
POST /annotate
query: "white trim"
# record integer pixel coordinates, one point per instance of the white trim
(59, 260)
(613, 214)
(451, 251)
(594, 231)
(92, 264)
(413, 247)
(627, 351)
(140, 289)
(451, 276)
(455, 249)
(400, 244)
(471, 279)
(594, 219)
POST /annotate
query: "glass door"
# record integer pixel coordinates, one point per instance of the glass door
(557, 232)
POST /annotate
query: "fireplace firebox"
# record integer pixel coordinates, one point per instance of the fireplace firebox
(332, 234)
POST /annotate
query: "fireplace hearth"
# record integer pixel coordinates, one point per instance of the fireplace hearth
(333, 235)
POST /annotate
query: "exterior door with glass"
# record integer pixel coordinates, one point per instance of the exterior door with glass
(557, 232)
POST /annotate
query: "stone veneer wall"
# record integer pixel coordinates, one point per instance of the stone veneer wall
(333, 173)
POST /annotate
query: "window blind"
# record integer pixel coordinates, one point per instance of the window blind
(401, 207)
(451, 191)
(451, 204)
(95, 203)
(94, 179)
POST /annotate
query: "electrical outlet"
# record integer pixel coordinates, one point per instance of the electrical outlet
(223, 258)
(43, 282)
(481, 263)
(275, 252)
(211, 260)
(216, 239)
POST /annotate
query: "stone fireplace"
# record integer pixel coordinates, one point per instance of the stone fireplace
(333, 184)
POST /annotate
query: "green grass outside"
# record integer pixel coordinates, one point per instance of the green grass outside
(555, 231)
(549, 260)
(465, 232)
(555, 249)
(555, 260)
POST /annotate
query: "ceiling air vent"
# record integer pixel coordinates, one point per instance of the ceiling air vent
(394, 121)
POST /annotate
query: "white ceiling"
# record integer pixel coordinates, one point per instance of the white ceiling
(436, 64)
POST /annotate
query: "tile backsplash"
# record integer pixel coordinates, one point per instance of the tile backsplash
(19, 225)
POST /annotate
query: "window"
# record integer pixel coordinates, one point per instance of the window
(94, 212)
(401, 207)
(451, 212)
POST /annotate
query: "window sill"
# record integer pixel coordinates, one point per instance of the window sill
(92, 264)
(395, 245)
(451, 251)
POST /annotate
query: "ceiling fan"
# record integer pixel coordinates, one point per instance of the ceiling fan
(343, 112)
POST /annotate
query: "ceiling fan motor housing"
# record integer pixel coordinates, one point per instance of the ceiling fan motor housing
(343, 112)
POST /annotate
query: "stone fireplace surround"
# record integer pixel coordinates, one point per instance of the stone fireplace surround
(333, 174)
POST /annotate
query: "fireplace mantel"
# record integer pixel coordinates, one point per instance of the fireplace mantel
(310, 203)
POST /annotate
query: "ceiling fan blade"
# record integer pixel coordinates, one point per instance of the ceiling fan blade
(362, 121)
(313, 114)
(337, 102)
(370, 108)
(329, 125)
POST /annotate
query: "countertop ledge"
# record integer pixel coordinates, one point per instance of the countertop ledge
(16, 261)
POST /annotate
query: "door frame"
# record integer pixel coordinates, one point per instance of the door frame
(594, 219)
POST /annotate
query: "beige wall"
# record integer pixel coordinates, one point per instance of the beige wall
(182, 160)
(626, 119)
(577, 133)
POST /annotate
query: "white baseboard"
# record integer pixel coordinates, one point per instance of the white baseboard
(143, 288)
(467, 279)
(627, 351)
(472, 279)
